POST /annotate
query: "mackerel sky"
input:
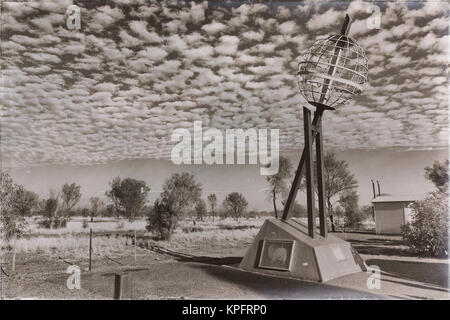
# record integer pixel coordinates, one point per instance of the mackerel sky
(136, 70)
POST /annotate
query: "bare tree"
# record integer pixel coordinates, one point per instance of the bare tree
(277, 182)
(212, 200)
(96, 205)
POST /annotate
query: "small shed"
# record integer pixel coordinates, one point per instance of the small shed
(391, 212)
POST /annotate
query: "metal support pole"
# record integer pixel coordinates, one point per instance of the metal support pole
(309, 172)
(320, 181)
(299, 173)
(373, 189)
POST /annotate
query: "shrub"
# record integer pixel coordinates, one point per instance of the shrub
(353, 218)
(54, 223)
(46, 223)
(59, 222)
(427, 233)
(192, 229)
(162, 220)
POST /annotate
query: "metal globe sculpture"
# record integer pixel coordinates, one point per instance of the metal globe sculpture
(332, 71)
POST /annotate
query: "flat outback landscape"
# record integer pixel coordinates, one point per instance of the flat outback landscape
(201, 261)
(224, 150)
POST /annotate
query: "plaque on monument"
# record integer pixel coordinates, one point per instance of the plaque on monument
(276, 254)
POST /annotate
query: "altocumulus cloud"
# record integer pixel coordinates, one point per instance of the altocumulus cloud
(137, 70)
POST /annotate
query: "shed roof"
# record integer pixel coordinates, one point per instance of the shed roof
(399, 198)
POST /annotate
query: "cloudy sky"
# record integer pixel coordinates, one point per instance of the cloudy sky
(135, 71)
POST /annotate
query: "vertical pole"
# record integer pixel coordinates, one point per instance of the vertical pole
(320, 182)
(90, 249)
(117, 286)
(1, 274)
(299, 173)
(309, 172)
(379, 192)
(373, 189)
(135, 244)
(13, 269)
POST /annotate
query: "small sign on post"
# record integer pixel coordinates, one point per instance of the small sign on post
(123, 286)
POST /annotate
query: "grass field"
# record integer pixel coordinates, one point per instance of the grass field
(199, 248)
(112, 236)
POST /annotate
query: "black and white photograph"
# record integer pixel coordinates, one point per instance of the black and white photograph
(224, 150)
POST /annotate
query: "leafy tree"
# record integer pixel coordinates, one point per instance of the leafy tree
(337, 178)
(110, 210)
(128, 195)
(48, 207)
(438, 175)
(299, 211)
(12, 224)
(427, 233)
(181, 192)
(212, 200)
(162, 220)
(235, 204)
(367, 211)
(349, 202)
(96, 205)
(114, 186)
(277, 182)
(23, 201)
(16, 203)
(200, 208)
(70, 196)
(85, 212)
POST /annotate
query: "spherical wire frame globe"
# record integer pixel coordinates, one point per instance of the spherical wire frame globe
(332, 71)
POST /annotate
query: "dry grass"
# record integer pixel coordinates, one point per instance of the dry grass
(72, 242)
(75, 226)
(70, 246)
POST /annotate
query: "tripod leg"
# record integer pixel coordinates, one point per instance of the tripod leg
(320, 182)
(299, 173)
(309, 173)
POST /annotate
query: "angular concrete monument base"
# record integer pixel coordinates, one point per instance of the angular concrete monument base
(283, 248)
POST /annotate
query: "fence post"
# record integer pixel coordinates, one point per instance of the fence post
(123, 286)
(90, 249)
(13, 269)
(135, 245)
(1, 275)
